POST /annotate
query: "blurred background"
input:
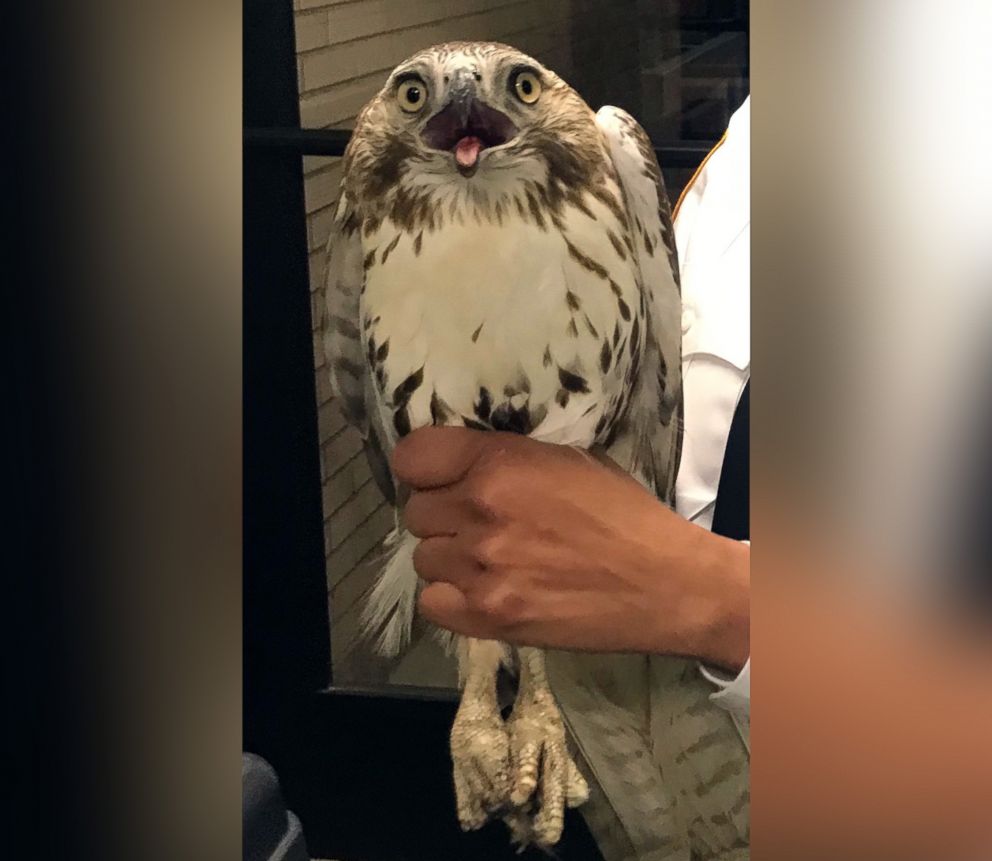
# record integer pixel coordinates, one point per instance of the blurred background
(872, 274)
(679, 66)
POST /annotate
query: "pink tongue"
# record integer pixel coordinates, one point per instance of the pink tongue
(467, 151)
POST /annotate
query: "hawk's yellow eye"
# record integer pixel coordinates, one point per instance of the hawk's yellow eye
(412, 95)
(527, 86)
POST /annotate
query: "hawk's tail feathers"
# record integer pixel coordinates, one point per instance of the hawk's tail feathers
(388, 613)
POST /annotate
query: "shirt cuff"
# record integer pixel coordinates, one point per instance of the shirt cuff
(734, 696)
(734, 693)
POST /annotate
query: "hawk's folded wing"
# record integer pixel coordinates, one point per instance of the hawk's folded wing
(656, 407)
(343, 342)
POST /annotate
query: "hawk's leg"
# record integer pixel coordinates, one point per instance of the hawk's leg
(544, 776)
(480, 745)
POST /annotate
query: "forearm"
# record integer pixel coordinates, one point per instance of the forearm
(710, 613)
(723, 629)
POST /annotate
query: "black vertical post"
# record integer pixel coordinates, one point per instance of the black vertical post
(286, 636)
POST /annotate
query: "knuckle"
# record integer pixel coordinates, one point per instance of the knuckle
(501, 605)
(487, 491)
(487, 550)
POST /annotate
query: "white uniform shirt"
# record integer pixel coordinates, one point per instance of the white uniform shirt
(713, 234)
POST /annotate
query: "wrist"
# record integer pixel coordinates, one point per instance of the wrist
(720, 607)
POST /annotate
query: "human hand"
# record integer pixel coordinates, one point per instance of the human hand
(543, 545)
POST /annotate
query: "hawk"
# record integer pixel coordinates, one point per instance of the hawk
(502, 257)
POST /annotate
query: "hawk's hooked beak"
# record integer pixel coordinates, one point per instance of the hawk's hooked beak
(466, 126)
(462, 92)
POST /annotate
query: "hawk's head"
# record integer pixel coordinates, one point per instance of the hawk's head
(470, 115)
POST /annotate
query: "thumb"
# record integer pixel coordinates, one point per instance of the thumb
(436, 456)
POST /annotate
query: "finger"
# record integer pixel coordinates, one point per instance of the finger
(445, 605)
(442, 560)
(437, 456)
(435, 511)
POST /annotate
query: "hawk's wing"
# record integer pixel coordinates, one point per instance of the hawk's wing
(655, 417)
(343, 343)
(688, 764)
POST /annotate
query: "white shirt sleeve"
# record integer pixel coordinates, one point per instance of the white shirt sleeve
(734, 695)
(712, 230)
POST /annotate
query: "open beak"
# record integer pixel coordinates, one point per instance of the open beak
(465, 127)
